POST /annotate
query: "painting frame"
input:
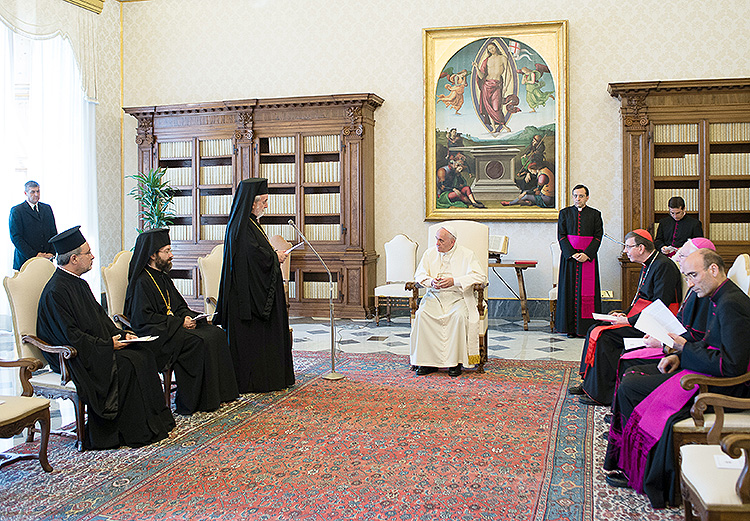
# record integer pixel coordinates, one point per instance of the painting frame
(495, 155)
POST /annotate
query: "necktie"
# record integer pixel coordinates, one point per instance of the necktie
(36, 208)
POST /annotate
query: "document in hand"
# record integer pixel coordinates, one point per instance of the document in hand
(603, 318)
(209, 316)
(657, 321)
(140, 339)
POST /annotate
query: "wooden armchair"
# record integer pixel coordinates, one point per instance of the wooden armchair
(24, 289)
(475, 236)
(400, 263)
(20, 412)
(713, 493)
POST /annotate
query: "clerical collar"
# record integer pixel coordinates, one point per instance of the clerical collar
(580, 209)
(651, 258)
(68, 271)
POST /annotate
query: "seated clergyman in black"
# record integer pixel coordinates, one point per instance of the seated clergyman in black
(118, 382)
(197, 351)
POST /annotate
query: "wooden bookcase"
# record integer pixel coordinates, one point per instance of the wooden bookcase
(688, 138)
(318, 155)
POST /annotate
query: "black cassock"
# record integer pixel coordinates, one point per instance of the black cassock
(256, 317)
(721, 352)
(121, 388)
(200, 357)
(586, 223)
(660, 279)
(675, 233)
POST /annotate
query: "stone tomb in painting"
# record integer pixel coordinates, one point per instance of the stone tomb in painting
(494, 167)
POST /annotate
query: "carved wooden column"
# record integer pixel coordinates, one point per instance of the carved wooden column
(243, 154)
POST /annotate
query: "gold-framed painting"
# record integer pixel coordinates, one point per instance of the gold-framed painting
(496, 114)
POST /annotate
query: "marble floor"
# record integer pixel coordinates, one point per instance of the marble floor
(507, 339)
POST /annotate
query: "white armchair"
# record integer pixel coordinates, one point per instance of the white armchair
(740, 272)
(400, 263)
(115, 278)
(210, 277)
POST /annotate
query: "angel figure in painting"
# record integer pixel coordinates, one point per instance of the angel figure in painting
(535, 97)
(456, 85)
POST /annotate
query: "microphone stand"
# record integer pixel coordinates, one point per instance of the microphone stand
(333, 375)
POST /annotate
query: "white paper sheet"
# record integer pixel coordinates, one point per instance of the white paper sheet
(604, 318)
(140, 339)
(633, 343)
(656, 320)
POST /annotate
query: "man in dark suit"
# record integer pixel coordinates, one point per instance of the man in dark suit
(32, 225)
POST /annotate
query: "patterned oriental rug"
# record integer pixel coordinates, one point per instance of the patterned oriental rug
(382, 443)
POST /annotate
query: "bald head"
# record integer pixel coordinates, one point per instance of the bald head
(705, 271)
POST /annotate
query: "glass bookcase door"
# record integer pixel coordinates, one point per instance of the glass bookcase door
(729, 182)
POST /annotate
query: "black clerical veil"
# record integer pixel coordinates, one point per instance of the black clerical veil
(248, 270)
(147, 243)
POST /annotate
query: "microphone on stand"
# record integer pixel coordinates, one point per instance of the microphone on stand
(333, 375)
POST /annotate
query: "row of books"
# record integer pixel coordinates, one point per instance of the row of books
(182, 205)
(281, 145)
(730, 164)
(278, 172)
(679, 133)
(181, 232)
(215, 147)
(282, 204)
(729, 232)
(729, 199)
(213, 232)
(319, 289)
(216, 175)
(323, 232)
(284, 230)
(323, 172)
(182, 176)
(184, 286)
(729, 132)
(323, 203)
(676, 166)
(215, 204)
(175, 149)
(292, 286)
(322, 144)
(662, 197)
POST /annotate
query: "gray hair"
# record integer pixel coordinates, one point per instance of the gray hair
(30, 184)
(63, 259)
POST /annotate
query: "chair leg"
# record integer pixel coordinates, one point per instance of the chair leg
(30, 434)
(552, 311)
(388, 308)
(44, 421)
(80, 410)
(167, 377)
(377, 311)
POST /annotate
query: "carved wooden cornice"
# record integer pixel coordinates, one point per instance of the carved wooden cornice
(355, 127)
(246, 120)
(145, 130)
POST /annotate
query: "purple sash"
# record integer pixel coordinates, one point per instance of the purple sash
(588, 275)
(646, 425)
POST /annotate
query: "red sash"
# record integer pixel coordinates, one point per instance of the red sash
(588, 275)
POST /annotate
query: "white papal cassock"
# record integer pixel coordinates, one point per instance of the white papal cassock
(445, 332)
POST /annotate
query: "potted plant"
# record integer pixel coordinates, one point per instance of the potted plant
(154, 196)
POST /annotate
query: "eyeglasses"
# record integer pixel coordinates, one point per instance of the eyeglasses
(629, 246)
(167, 250)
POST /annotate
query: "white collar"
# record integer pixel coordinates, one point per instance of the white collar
(67, 271)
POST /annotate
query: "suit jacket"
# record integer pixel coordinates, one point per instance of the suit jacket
(31, 231)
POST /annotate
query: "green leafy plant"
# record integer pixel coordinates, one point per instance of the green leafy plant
(154, 195)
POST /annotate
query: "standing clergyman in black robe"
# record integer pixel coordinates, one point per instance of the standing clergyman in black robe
(117, 381)
(252, 303)
(579, 233)
(198, 352)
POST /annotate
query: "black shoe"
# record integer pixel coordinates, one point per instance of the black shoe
(608, 418)
(585, 400)
(617, 480)
(576, 389)
(455, 371)
(424, 369)
(572, 335)
(413, 367)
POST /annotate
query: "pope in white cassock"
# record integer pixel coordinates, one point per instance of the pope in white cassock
(446, 326)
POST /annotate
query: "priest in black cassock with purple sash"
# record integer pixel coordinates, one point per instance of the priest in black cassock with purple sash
(252, 303)
(579, 234)
(118, 382)
(197, 351)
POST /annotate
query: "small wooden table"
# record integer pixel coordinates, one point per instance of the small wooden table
(519, 266)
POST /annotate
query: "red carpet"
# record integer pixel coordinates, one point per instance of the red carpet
(381, 444)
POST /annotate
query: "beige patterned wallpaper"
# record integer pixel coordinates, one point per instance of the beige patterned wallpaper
(191, 50)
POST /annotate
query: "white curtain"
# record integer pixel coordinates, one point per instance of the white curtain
(50, 139)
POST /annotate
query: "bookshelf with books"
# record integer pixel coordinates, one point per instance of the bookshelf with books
(689, 138)
(317, 153)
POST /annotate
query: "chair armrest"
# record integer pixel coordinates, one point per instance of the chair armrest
(121, 320)
(718, 402)
(27, 366)
(211, 300)
(734, 445)
(414, 288)
(690, 380)
(479, 288)
(65, 353)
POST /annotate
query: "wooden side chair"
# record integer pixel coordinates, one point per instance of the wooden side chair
(476, 237)
(712, 492)
(115, 278)
(740, 272)
(24, 289)
(21, 412)
(400, 264)
(209, 269)
(554, 251)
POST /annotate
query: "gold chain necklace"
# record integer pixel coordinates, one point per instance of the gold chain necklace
(167, 300)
